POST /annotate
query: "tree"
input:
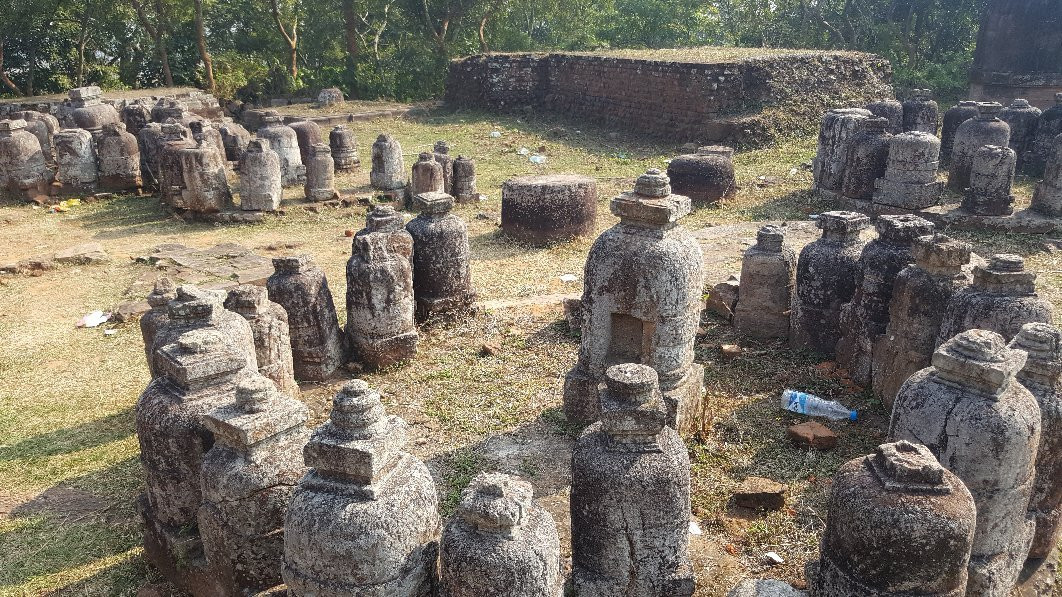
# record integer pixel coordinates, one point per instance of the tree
(291, 38)
(158, 32)
(200, 38)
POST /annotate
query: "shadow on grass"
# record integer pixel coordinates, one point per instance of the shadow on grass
(72, 439)
(127, 216)
(69, 526)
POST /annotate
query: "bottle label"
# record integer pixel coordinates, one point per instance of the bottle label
(798, 402)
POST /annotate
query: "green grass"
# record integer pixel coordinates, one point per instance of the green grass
(69, 471)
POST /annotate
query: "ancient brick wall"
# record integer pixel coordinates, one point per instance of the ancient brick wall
(732, 102)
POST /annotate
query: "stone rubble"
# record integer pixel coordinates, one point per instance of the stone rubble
(442, 278)
(827, 277)
(364, 520)
(630, 496)
(499, 543)
(768, 278)
(381, 330)
(920, 296)
(272, 336)
(864, 319)
(985, 427)
(300, 287)
(639, 310)
(135, 116)
(248, 478)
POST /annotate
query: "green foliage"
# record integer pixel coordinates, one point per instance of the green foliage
(399, 48)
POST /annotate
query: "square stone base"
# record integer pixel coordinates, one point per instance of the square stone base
(685, 402)
(443, 308)
(907, 196)
(376, 353)
(176, 553)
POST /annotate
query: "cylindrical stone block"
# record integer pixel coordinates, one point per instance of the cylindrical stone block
(344, 148)
(705, 177)
(1047, 199)
(465, 180)
(540, 210)
(320, 174)
(868, 155)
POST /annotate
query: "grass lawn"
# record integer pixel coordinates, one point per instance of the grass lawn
(69, 469)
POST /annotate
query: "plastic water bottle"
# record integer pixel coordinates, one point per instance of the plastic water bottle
(811, 405)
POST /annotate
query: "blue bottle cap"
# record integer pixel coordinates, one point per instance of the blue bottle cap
(852, 415)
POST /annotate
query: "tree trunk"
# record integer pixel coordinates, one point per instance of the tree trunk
(200, 38)
(156, 34)
(292, 39)
(31, 76)
(482, 38)
(3, 73)
(350, 29)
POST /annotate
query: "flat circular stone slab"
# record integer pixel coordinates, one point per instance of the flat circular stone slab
(540, 210)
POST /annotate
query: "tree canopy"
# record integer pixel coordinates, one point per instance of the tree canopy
(399, 48)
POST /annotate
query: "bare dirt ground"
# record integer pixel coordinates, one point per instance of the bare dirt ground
(69, 468)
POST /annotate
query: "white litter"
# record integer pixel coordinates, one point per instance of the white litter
(773, 558)
(109, 332)
(538, 159)
(94, 319)
(568, 278)
(495, 134)
(695, 529)
(523, 151)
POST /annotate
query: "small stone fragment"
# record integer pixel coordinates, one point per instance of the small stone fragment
(812, 434)
(723, 298)
(758, 493)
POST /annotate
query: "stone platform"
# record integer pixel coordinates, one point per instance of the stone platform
(702, 95)
(1025, 221)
